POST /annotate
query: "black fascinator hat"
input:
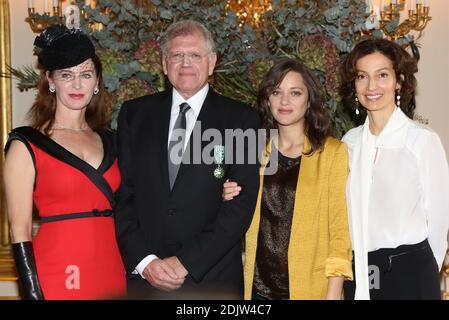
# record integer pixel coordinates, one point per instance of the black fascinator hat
(61, 47)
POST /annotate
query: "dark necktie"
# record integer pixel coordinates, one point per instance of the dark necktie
(176, 145)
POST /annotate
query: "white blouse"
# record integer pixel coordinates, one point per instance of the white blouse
(397, 191)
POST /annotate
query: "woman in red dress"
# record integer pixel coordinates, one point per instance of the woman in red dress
(64, 163)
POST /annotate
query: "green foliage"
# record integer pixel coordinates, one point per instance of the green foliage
(319, 33)
(27, 76)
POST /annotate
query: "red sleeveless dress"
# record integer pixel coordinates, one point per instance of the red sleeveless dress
(76, 258)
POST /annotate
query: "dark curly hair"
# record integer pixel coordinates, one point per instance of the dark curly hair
(403, 64)
(318, 125)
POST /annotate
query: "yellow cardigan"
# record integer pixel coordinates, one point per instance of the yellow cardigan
(320, 244)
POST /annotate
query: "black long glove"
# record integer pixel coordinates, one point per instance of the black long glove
(26, 268)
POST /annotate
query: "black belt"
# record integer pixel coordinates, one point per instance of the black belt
(77, 215)
(385, 256)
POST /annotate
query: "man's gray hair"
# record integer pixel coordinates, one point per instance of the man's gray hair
(184, 28)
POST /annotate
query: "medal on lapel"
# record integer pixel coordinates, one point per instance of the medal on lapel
(218, 158)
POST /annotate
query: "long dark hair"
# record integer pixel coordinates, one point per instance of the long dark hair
(42, 114)
(403, 64)
(318, 125)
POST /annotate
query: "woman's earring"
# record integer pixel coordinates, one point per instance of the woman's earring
(96, 91)
(398, 99)
(357, 112)
(52, 88)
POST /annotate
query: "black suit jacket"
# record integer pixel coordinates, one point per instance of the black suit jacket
(191, 221)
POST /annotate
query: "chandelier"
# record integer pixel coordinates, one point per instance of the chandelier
(249, 11)
(413, 15)
(52, 15)
(53, 12)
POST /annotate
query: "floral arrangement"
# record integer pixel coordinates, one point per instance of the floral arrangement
(317, 32)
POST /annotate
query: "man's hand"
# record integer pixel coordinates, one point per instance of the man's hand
(230, 190)
(177, 266)
(162, 276)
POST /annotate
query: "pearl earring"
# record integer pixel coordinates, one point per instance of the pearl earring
(398, 100)
(357, 112)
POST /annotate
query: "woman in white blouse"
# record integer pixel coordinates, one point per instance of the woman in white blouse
(398, 187)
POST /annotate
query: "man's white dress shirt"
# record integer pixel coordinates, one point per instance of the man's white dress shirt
(195, 102)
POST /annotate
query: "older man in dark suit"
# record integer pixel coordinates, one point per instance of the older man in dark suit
(177, 238)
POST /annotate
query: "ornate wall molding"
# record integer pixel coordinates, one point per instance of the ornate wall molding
(5, 116)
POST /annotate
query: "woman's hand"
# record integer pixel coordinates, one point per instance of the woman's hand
(230, 190)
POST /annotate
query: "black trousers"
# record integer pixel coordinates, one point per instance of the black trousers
(408, 272)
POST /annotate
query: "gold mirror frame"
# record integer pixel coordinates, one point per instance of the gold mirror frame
(5, 125)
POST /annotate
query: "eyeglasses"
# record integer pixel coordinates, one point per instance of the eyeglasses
(67, 76)
(177, 57)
